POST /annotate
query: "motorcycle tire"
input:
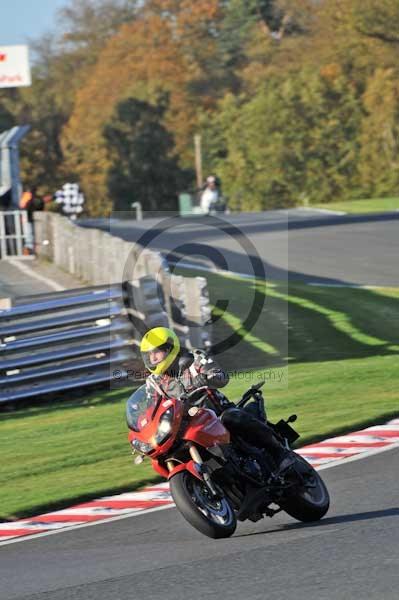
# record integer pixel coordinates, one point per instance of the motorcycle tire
(213, 518)
(311, 502)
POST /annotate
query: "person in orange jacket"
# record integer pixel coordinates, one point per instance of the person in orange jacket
(30, 202)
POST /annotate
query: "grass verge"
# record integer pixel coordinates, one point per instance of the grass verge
(341, 345)
(363, 206)
(299, 323)
(60, 454)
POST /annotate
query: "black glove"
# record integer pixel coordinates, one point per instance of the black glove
(200, 380)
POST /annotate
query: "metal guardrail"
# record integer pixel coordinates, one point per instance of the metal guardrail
(60, 342)
(74, 339)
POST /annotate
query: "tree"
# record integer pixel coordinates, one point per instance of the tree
(282, 17)
(86, 24)
(295, 139)
(379, 138)
(62, 61)
(377, 19)
(284, 92)
(141, 151)
(165, 51)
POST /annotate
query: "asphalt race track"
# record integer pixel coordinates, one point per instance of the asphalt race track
(300, 244)
(352, 553)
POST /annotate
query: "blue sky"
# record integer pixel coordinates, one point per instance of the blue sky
(21, 19)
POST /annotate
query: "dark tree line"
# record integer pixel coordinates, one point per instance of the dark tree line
(296, 100)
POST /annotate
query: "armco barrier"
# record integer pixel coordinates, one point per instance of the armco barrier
(72, 339)
(64, 340)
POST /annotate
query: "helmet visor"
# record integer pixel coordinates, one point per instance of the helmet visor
(156, 356)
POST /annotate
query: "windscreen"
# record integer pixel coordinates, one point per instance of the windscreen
(139, 408)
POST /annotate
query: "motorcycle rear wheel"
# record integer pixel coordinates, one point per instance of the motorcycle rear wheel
(312, 501)
(213, 518)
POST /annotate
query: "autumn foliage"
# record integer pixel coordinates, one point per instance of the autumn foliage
(296, 101)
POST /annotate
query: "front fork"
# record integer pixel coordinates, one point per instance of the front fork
(198, 467)
(203, 470)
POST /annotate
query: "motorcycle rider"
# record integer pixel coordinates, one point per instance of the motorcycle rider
(172, 376)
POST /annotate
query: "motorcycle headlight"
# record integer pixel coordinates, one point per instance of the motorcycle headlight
(142, 447)
(164, 427)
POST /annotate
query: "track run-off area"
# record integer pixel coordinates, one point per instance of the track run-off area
(322, 454)
(352, 552)
(305, 245)
(124, 549)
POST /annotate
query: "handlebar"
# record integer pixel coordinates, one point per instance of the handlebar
(187, 396)
(251, 393)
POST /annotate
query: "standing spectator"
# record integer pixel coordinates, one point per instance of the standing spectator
(211, 196)
(30, 202)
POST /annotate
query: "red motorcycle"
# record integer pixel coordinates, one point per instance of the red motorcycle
(216, 479)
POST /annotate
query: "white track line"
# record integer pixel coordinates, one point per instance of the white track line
(195, 266)
(324, 211)
(223, 273)
(358, 457)
(28, 271)
(345, 439)
(325, 450)
(349, 285)
(80, 526)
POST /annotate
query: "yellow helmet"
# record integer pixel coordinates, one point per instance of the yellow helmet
(159, 338)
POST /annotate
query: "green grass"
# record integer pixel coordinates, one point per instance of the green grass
(64, 451)
(341, 345)
(56, 455)
(301, 323)
(363, 206)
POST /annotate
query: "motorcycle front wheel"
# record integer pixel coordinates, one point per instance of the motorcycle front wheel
(213, 517)
(311, 500)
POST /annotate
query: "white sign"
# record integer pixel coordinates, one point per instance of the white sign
(14, 66)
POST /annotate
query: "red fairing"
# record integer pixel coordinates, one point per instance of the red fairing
(159, 468)
(189, 466)
(206, 429)
(149, 425)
